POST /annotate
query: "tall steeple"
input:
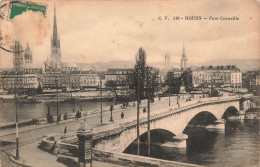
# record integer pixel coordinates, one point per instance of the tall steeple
(55, 31)
(55, 58)
(183, 59)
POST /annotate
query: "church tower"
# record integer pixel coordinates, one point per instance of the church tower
(183, 59)
(55, 57)
(28, 55)
(18, 56)
(167, 63)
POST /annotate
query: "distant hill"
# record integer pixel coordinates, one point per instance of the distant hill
(104, 66)
(243, 65)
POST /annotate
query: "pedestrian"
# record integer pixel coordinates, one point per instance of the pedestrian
(65, 117)
(144, 110)
(51, 119)
(77, 115)
(59, 117)
(48, 114)
(122, 115)
(134, 104)
(65, 131)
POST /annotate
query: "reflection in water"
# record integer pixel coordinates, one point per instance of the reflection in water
(238, 146)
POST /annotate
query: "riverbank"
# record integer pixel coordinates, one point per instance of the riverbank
(91, 96)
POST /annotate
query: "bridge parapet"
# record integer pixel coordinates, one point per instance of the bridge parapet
(128, 123)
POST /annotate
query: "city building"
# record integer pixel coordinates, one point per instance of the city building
(70, 80)
(236, 79)
(183, 59)
(18, 80)
(53, 80)
(251, 81)
(32, 69)
(117, 74)
(217, 76)
(175, 72)
(89, 79)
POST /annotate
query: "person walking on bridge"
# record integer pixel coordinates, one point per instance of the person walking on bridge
(144, 110)
(65, 131)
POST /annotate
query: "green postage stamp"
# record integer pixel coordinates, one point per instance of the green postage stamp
(18, 7)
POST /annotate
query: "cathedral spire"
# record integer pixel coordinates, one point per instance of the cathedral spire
(55, 31)
(183, 59)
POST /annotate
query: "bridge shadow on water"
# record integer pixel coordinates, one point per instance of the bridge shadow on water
(199, 141)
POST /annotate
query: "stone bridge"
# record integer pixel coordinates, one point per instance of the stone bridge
(118, 136)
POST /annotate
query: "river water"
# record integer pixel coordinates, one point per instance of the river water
(238, 145)
(39, 110)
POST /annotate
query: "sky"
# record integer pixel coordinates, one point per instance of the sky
(103, 31)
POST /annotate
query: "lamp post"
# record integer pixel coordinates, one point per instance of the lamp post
(138, 108)
(111, 115)
(148, 116)
(169, 92)
(101, 101)
(16, 120)
(56, 82)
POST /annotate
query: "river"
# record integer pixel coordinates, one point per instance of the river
(238, 145)
(39, 110)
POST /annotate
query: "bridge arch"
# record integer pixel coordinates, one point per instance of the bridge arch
(202, 118)
(157, 136)
(230, 111)
(132, 133)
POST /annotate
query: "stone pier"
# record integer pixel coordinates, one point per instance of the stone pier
(180, 141)
(85, 148)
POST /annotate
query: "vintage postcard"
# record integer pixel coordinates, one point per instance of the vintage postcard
(113, 83)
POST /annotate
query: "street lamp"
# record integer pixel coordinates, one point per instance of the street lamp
(111, 115)
(138, 108)
(148, 115)
(56, 82)
(16, 120)
(101, 100)
(169, 92)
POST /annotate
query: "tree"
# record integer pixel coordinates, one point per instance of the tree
(173, 83)
(144, 80)
(187, 80)
(112, 86)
